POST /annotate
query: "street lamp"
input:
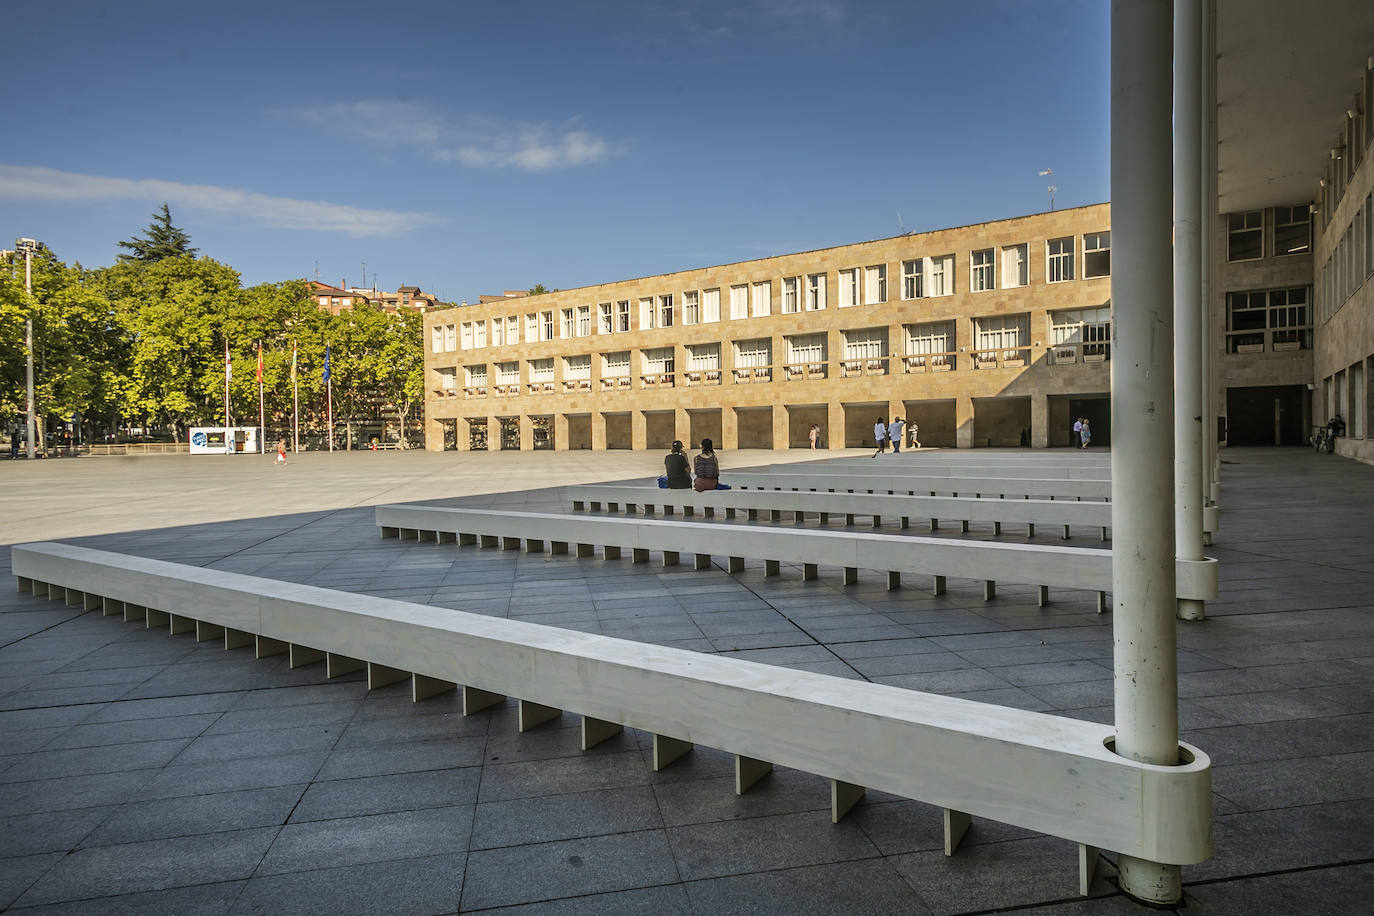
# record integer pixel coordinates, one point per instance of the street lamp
(28, 247)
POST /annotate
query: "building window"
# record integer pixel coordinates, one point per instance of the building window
(1097, 255)
(577, 368)
(547, 319)
(791, 301)
(615, 365)
(710, 306)
(606, 320)
(568, 326)
(704, 357)
(1001, 340)
(691, 307)
(815, 292)
(541, 370)
(753, 354)
(448, 379)
(739, 301)
(849, 287)
(584, 321)
(1276, 319)
(665, 311)
(929, 346)
(1245, 236)
(1292, 230)
(1015, 266)
(981, 268)
(1369, 232)
(622, 315)
(1081, 335)
(508, 373)
(940, 275)
(1059, 260)
(476, 376)
(450, 337)
(761, 299)
(646, 313)
(913, 276)
(805, 348)
(479, 334)
(467, 335)
(498, 332)
(436, 339)
(532, 326)
(865, 343)
(658, 361)
(875, 284)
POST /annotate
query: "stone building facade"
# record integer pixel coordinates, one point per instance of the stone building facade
(991, 334)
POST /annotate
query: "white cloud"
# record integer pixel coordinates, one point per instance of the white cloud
(475, 142)
(38, 183)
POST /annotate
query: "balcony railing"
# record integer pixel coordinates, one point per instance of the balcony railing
(656, 380)
(577, 384)
(695, 378)
(1002, 358)
(539, 387)
(615, 382)
(508, 389)
(1275, 341)
(746, 375)
(475, 391)
(1066, 354)
(796, 372)
(929, 362)
(446, 391)
(857, 367)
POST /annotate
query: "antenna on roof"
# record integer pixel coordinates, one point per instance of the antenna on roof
(317, 270)
(900, 225)
(1052, 188)
(363, 285)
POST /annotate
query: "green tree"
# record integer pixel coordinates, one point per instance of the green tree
(538, 289)
(161, 240)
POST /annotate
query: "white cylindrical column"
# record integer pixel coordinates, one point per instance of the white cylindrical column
(1189, 360)
(1145, 669)
(1211, 218)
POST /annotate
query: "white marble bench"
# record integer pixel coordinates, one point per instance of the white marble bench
(890, 464)
(885, 481)
(1044, 566)
(877, 506)
(1045, 773)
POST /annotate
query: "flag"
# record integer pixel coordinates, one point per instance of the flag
(293, 360)
(325, 378)
(259, 362)
(228, 363)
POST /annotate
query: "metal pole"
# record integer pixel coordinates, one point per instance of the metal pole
(1189, 359)
(1145, 667)
(329, 402)
(31, 424)
(262, 413)
(1212, 462)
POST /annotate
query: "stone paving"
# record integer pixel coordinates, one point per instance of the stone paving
(142, 773)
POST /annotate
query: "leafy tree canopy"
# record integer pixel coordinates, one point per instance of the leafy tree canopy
(538, 288)
(161, 240)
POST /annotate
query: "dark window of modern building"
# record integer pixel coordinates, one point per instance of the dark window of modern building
(1245, 236)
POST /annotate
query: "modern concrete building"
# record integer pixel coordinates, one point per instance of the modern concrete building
(991, 334)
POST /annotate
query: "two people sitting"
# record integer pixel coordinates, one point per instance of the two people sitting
(706, 468)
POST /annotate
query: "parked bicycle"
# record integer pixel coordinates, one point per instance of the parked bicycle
(1321, 439)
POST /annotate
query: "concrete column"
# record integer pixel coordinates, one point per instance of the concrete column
(598, 431)
(463, 433)
(493, 434)
(1190, 362)
(729, 429)
(560, 432)
(526, 433)
(1211, 220)
(781, 424)
(832, 434)
(963, 422)
(1040, 420)
(434, 434)
(639, 439)
(682, 423)
(1145, 672)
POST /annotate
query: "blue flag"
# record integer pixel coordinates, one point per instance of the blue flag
(325, 377)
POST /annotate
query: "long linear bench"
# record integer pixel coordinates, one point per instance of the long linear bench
(879, 482)
(877, 506)
(887, 465)
(1044, 566)
(1045, 773)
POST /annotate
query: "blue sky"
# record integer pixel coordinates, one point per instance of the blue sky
(473, 147)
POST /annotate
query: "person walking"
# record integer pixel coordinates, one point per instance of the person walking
(894, 434)
(815, 436)
(912, 430)
(281, 451)
(679, 477)
(707, 468)
(880, 436)
(1075, 437)
(1085, 433)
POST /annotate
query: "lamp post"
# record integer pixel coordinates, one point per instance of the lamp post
(28, 247)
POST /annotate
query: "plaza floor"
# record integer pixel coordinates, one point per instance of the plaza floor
(142, 773)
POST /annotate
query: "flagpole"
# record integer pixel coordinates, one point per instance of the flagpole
(329, 397)
(228, 445)
(262, 413)
(295, 404)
